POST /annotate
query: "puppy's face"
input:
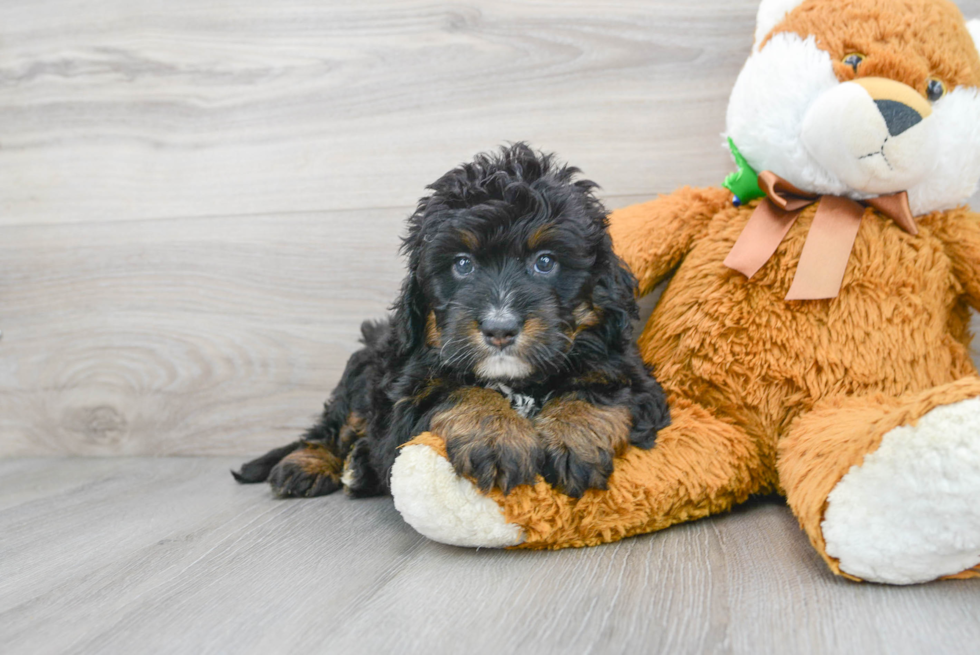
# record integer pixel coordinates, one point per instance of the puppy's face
(507, 292)
(509, 256)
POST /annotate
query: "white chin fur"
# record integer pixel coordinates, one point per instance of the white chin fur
(445, 507)
(503, 367)
(774, 94)
(909, 513)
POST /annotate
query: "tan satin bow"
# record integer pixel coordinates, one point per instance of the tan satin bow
(828, 243)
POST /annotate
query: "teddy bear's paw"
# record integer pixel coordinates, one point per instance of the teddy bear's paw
(444, 506)
(909, 512)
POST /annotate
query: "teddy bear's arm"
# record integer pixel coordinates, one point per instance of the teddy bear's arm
(960, 234)
(652, 237)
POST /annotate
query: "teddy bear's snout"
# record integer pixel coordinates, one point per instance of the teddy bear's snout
(900, 106)
(873, 134)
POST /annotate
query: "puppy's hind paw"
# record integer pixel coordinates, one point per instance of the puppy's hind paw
(310, 471)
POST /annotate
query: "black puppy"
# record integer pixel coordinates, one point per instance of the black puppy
(510, 340)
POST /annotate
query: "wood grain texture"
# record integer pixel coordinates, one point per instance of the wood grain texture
(200, 202)
(183, 336)
(119, 110)
(131, 555)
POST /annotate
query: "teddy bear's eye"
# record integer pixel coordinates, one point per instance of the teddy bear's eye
(853, 60)
(935, 90)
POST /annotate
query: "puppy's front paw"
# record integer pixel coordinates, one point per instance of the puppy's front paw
(509, 459)
(488, 441)
(580, 441)
(574, 466)
(310, 471)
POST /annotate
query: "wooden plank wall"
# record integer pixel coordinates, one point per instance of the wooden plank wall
(201, 201)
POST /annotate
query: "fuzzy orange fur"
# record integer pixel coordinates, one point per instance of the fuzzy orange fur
(904, 40)
(797, 374)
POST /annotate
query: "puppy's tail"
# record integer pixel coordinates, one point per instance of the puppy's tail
(258, 469)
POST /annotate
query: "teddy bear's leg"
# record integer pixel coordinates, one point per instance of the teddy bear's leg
(699, 466)
(886, 488)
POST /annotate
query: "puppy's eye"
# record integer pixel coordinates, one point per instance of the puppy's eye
(545, 264)
(935, 90)
(853, 60)
(463, 266)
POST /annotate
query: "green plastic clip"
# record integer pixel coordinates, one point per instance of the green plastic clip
(743, 183)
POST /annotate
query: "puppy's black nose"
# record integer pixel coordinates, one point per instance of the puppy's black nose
(500, 331)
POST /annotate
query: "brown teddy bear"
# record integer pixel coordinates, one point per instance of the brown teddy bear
(814, 337)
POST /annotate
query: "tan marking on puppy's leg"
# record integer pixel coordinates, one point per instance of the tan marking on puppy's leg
(315, 459)
(487, 440)
(577, 422)
(313, 470)
(580, 441)
(353, 429)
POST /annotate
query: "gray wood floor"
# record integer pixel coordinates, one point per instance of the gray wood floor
(139, 555)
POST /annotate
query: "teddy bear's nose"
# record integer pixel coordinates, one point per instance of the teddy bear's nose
(898, 116)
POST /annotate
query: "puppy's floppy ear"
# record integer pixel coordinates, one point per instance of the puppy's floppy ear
(615, 294)
(409, 317)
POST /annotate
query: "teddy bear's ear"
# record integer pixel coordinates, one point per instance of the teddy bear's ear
(771, 13)
(974, 27)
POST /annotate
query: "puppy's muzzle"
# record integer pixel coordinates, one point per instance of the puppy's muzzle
(500, 330)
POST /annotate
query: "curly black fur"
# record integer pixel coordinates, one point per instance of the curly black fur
(512, 285)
